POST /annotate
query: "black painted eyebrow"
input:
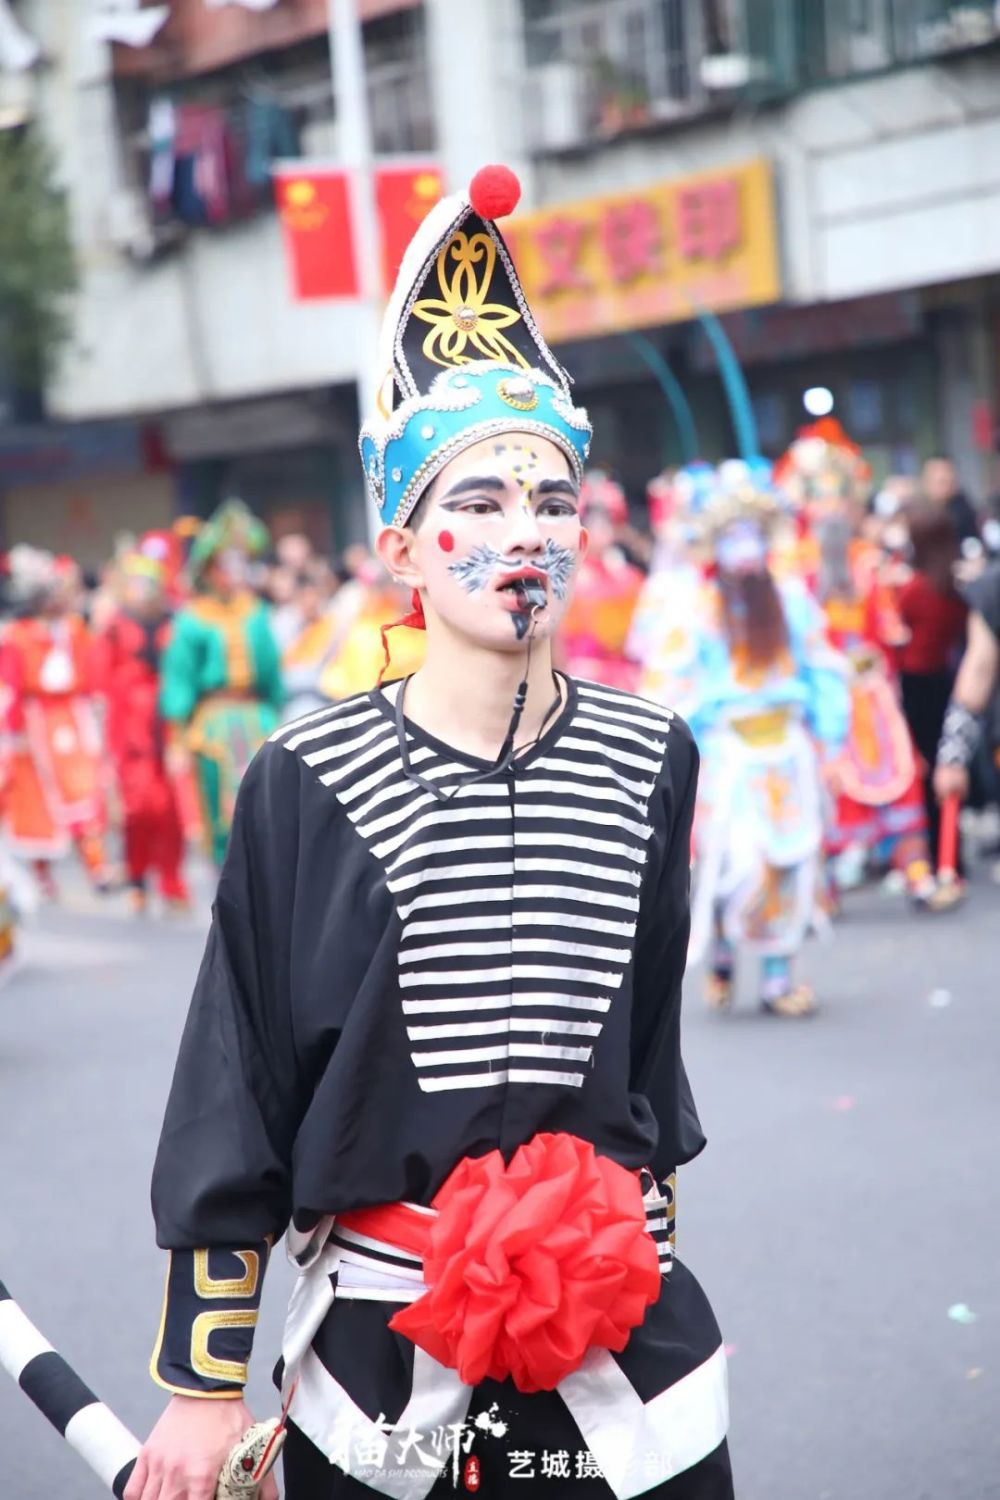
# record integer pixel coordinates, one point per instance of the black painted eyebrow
(557, 487)
(473, 483)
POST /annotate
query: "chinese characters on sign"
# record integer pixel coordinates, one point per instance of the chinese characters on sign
(652, 256)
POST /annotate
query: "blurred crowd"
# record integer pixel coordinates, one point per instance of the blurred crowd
(131, 702)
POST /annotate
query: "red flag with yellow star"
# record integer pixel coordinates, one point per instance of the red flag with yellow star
(405, 194)
(315, 210)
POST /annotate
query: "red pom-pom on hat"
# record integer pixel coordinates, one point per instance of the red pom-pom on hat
(494, 192)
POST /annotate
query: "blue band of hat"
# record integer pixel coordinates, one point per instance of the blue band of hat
(479, 400)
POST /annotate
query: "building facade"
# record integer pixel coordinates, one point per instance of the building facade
(815, 179)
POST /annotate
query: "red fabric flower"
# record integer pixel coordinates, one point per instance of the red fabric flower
(531, 1265)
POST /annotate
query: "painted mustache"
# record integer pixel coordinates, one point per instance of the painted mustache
(485, 563)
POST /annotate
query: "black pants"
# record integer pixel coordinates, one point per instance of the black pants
(309, 1476)
(925, 698)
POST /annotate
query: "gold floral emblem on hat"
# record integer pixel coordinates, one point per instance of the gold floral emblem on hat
(464, 325)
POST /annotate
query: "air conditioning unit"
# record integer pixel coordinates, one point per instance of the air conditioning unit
(555, 106)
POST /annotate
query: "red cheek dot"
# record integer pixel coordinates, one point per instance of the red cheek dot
(446, 541)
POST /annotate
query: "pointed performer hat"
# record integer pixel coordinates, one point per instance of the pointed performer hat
(461, 355)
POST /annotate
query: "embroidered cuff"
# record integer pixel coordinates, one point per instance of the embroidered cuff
(959, 736)
(210, 1307)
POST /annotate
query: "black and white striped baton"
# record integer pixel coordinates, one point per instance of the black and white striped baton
(60, 1395)
(93, 1430)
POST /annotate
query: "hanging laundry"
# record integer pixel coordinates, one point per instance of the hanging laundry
(162, 129)
(271, 134)
(201, 182)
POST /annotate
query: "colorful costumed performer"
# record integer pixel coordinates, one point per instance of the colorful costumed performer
(55, 775)
(132, 646)
(669, 599)
(767, 699)
(436, 1031)
(221, 690)
(596, 626)
(878, 803)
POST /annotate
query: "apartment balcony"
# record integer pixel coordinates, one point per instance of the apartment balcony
(601, 68)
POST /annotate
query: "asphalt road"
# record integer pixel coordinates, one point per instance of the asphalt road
(847, 1202)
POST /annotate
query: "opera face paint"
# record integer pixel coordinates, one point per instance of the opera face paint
(741, 548)
(524, 582)
(484, 565)
(501, 539)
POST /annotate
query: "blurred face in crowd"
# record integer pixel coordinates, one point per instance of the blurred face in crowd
(310, 598)
(325, 579)
(281, 585)
(601, 530)
(496, 542)
(939, 480)
(294, 552)
(357, 560)
(228, 572)
(64, 593)
(142, 595)
(741, 550)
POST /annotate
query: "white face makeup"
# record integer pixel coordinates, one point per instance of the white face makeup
(500, 540)
(741, 548)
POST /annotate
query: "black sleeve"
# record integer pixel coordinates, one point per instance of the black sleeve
(660, 958)
(222, 1180)
(984, 595)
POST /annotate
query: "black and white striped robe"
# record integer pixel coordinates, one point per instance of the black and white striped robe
(392, 983)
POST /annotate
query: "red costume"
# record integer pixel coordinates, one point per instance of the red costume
(152, 827)
(880, 801)
(54, 782)
(879, 806)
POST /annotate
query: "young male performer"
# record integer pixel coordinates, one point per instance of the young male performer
(436, 1032)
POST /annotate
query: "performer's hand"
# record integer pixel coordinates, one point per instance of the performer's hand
(184, 1453)
(951, 781)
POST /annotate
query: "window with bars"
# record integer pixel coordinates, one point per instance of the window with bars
(398, 75)
(597, 67)
(197, 151)
(601, 66)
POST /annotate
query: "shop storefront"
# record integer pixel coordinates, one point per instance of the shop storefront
(291, 458)
(76, 489)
